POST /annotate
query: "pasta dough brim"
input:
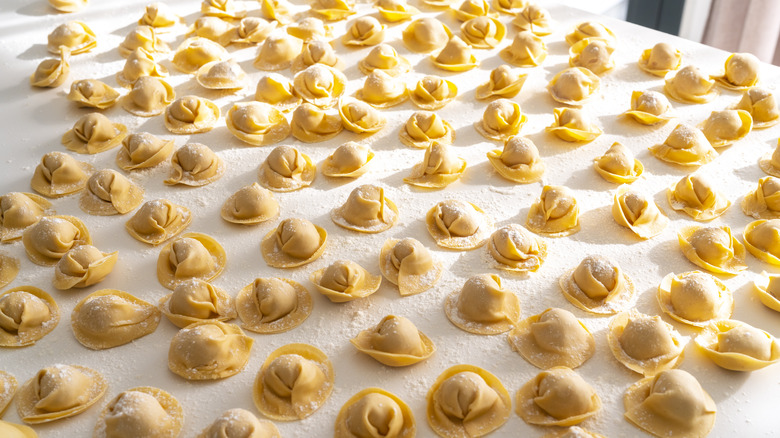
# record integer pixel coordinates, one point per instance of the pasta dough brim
(574, 135)
(435, 104)
(227, 216)
(707, 341)
(465, 243)
(646, 367)
(187, 179)
(579, 102)
(9, 234)
(531, 264)
(91, 204)
(224, 306)
(473, 62)
(42, 260)
(212, 371)
(510, 58)
(408, 284)
(387, 103)
(185, 128)
(521, 340)
(635, 173)
(527, 409)
(95, 273)
(125, 162)
(761, 284)
(167, 278)
(646, 230)
(63, 189)
(362, 343)
(733, 266)
(329, 168)
(648, 118)
(369, 286)
(764, 256)
(75, 144)
(523, 173)
(378, 226)
(484, 91)
(252, 320)
(168, 402)
(271, 135)
(677, 97)
(168, 233)
(107, 100)
(615, 302)
(745, 127)
(501, 135)
(9, 383)
(419, 178)
(31, 336)
(719, 207)
(123, 334)
(374, 37)
(479, 327)
(350, 125)
(408, 429)
(664, 298)
(27, 398)
(278, 183)
(447, 138)
(276, 258)
(394, 16)
(9, 269)
(402, 66)
(643, 64)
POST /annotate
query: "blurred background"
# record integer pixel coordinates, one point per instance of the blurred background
(733, 25)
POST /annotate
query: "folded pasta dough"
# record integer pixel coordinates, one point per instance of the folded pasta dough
(160, 16)
(432, 93)
(257, 123)
(59, 174)
(52, 72)
(278, 52)
(557, 397)
(191, 115)
(695, 298)
(504, 82)
(209, 350)
(767, 287)
(275, 89)
(645, 344)
(9, 269)
(515, 249)
(144, 37)
(310, 29)
(196, 165)
(762, 239)
(553, 338)
(148, 97)
(83, 266)
(345, 280)
(109, 318)
(598, 285)
(764, 201)
(53, 236)
(649, 107)
(738, 346)
(395, 10)
(72, 36)
(27, 314)
(439, 168)
(191, 256)
(409, 265)
(423, 128)
(590, 29)
(695, 195)
(294, 242)
(762, 106)
(286, 169)
(519, 161)
(483, 32)
(509, 7)
(555, 213)
(381, 90)
(222, 9)
(526, 50)
(534, 19)
(68, 5)
(456, 224)
(385, 58)
(157, 221)
(713, 248)
(8, 384)
(310, 124)
(375, 411)
(349, 160)
(320, 85)
(94, 133)
(573, 86)
(482, 306)
(469, 9)
(722, 128)
(316, 52)
(251, 204)
(364, 31)
(277, 11)
(18, 211)
(618, 165)
(360, 117)
(426, 35)
(690, 85)
(686, 146)
(638, 212)
(574, 124)
(501, 120)
(196, 301)
(455, 56)
(595, 54)
(740, 72)
(273, 305)
(234, 422)
(366, 210)
(221, 75)
(59, 391)
(253, 30)
(140, 411)
(333, 9)
(394, 342)
(92, 93)
(109, 193)
(660, 59)
(215, 29)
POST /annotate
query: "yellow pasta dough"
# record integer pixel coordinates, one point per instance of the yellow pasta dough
(364, 31)
(439, 168)
(762, 106)
(649, 107)
(557, 397)
(8, 384)
(27, 314)
(762, 239)
(519, 161)
(504, 82)
(191, 115)
(695, 298)
(52, 72)
(713, 248)
(160, 16)
(515, 249)
(395, 342)
(385, 58)
(695, 195)
(257, 123)
(409, 265)
(94, 133)
(195, 165)
(553, 338)
(193, 255)
(595, 54)
(20, 210)
(83, 266)
(483, 32)
(686, 146)
(221, 75)
(574, 125)
(770, 163)
(157, 221)
(294, 381)
(214, 29)
(73, 36)
(275, 89)
(375, 412)
(526, 50)
(109, 192)
(638, 212)
(196, 301)
(310, 29)
(67, 6)
(660, 59)
(222, 8)
(764, 201)
(534, 19)
(317, 52)
(740, 72)
(423, 128)
(467, 401)
(209, 350)
(294, 242)
(360, 117)
(469, 9)
(9, 269)
(148, 97)
(426, 35)
(737, 346)
(250, 205)
(432, 93)
(509, 7)
(555, 213)
(590, 29)
(645, 344)
(690, 85)
(501, 120)
(482, 306)
(92, 93)
(320, 85)
(573, 432)
(349, 160)
(455, 56)
(670, 404)
(460, 225)
(139, 63)
(381, 90)
(333, 9)
(573, 86)
(278, 52)
(276, 10)
(273, 305)
(311, 125)
(345, 280)
(286, 169)
(52, 236)
(395, 10)
(59, 391)
(140, 411)
(253, 30)
(109, 318)
(722, 128)
(59, 174)
(143, 37)
(239, 422)
(618, 165)
(366, 210)
(598, 285)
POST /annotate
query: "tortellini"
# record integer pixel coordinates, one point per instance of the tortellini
(737, 346)
(713, 248)
(483, 32)
(94, 133)
(311, 125)
(385, 58)
(638, 212)
(469, 9)
(9, 269)
(504, 82)
(333, 9)
(273, 305)
(237, 421)
(557, 397)
(160, 16)
(278, 52)
(8, 384)
(764, 201)
(222, 9)
(364, 31)
(439, 168)
(257, 123)
(590, 29)
(195, 301)
(310, 29)
(573, 86)
(221, 75)
(690, 85)
(18, 211)
(460, 225)
(141, 411)
(722, 128)
(533, 19)
(215, 29)
(109, 192)
(409, 265)
(618, 165)
(740, 72)
(762, 239)
(139, 63)
(686, 146)
(345, 280)
(251, 204)
(191, 115)
(193, 255)
(73, 36)
(595, 54)
(695, 298)
(509, 7)
(375, 412)
(275, 89)
(143, 37)
(196, 52)
(423, 128)
(51, 72)
(598, 285)
(482, 306)
(286, 169)
(143, 150)
(294, 381)
(295, 242)
(466, 400)
(515, 249)
(366, 210)
(360, 117)
(671, 404)
(83, 266)
(276, 10)
(519, 161)
(381, 90)
(432, 93)
(501, 120)
(27, 314)
(209, 350)
(396, 10)
(68, 5)
(455, 56)
(91, 93)
(320, 85)
(660, 60)
(59, 174)
(195, 165)
(53, 236)
(526, 50)
(553, 338)
(770, 163)
(555, 213)
(317, 52)
(59, 391)
(394, 342)
(695, 195)
(574, 125)
(109, 318)
(349, 160)
(649, 107)
(761, 104)
(157, 221)
(426, 35)
(645, 344)
(149, 97)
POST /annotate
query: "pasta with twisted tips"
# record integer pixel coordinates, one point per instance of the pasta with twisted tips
(191, 256)
(394, 341)
(695, 298)
(426, 35)
(149, 97)
(482, 306)
(345, 280)
(52, 72)
(316, 52)
(690, 85)
(59, 391)
(695, 195)
(278, 52)
(94, 133)
(157, 221)
(638, 212)
(191, 115)
(273, 305)
(439, 168)
(18, 211)
(553, 338)
(92, 93)
(722, 128)
(574, 125)
(598, 285)
(143, 37)
(557, 397)
(109, 318)
(456, 224)
(409, 265)
(526, 50)
(144, 410)
(209, 350)
(349, 160)
(534, 19)
(75, 37)
(294, 242)
(455, 56)
(384, 57)
(686, 146)
(47, 241)
(83, 266)
(286, 169)
(364, 31)
(27, 314)
(618, 165)
(761, 104)
(59, 174)
(251, 204)
(375, 410)
(366, 210)
(660, 59)
(649, 107)
(257, 123)
(555, 213)
(645, 344)
(738, 346)
(311, 125)
(713, 248)
(195, 165)
(195, 301)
